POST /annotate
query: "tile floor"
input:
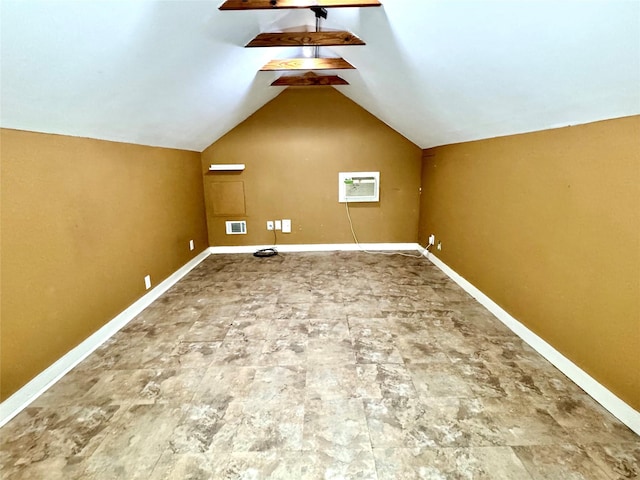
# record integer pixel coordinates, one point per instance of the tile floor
(314, 366)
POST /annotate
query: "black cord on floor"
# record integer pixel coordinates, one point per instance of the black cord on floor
(268, 252)
(265, 252)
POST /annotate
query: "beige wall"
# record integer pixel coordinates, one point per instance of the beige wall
(547, 224)
(83, 221)
(293, 149)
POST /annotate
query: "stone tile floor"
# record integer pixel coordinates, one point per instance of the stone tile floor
(314, 366)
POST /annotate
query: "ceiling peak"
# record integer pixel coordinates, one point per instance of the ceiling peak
(269, 4)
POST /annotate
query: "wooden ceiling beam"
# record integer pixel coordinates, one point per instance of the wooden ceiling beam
(307, 64)
(309, 79)
(269, 4)
(301, 39)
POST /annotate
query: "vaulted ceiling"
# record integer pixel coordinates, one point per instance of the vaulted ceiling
(176, 73)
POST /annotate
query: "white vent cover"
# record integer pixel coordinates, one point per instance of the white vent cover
(236, 227)
(358, 187)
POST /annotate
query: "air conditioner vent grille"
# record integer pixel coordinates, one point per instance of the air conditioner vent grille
(236, 227)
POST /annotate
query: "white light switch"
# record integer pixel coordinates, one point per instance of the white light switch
(278, 225)
(286, 226)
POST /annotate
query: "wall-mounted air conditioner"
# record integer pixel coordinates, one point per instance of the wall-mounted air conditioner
(358, 187)
(236, 227)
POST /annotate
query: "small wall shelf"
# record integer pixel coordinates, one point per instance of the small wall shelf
(226, 167)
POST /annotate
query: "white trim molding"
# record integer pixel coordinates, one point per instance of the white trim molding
(621, 410)
(321, 247)
(44, 380)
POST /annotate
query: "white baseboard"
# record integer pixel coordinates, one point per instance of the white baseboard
(44, 380)
(621, 410)
(325, 247)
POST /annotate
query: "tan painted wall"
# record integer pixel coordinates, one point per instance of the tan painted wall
(294, 148)
(547, 224)
(83, 221)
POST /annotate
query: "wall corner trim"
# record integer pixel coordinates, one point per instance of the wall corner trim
(621, 410)
(48, 377)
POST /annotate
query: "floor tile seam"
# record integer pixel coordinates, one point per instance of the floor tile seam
(87, 476)
(534, 473)
(623, 443)
(191, 341)
(501, 415)
(273, 401)
(515, 455)
(96, 403)
(366, 419)
(580, 445)
(123, 406)
(195, 388)
(596, 462)
(465, 448)
(418, 397)
(122, 410)
(494, 417)
(337, 398)
(565, 429)
(157, 462)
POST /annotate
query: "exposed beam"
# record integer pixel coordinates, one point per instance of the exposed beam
(267, 4)
(300, 39)
(308, 64)
(309, 79)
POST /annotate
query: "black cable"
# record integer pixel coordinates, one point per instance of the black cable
(268, 252)
(265, 252)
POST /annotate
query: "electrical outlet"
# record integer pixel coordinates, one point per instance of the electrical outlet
(269, 225)
(286, 225)
(278, 225)
(432, 239)
(147, 282)
(439, 246)
(191, 245)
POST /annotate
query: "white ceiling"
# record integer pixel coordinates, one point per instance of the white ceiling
(175, 73)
